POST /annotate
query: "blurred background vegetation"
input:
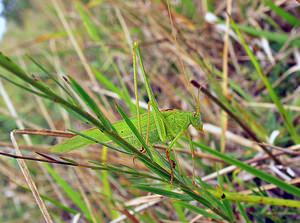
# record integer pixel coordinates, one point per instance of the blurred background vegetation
(180, 40)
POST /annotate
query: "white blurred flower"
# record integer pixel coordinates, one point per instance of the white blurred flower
(210, 17)
(2, 21)
(1, 7)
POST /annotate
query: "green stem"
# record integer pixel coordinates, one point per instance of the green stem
(237, 197)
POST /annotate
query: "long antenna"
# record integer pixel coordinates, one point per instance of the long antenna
(198, 102)
(197, 99)
(243, 125)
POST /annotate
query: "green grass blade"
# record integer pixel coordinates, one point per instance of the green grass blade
(122, 93)
(23, 87)
(134, 131)
(281, 38)
(148, 88)
(91, 103)
(180, 212)
(74, 196)
(206, 191)
(187, 6)
(9, 65)
(258, 173)
(65, 147)
(243, 213)
(107, 190)
(123, 169)
(205, 202)
(240, 112)
(159, 119)
(107, 82)
(287, 121)
(164, 192)
(54, 202)
(52, 77)
(91, 28)
(94, 33)
(292, 20)
(199, 210)
(228, 209)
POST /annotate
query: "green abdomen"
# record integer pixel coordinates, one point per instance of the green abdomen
(176, 120)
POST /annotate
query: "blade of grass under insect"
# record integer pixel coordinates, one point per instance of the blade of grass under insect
(228, 209)
(226, 204)
(125, 170)
(72, 194)
(205, 191)
(106, 185)
(184, 197)
(62, 149)
(243, 212)
(91, 103)
(135, 131)
(215, 194)
(199, 210)
(292, 20)
(164, 192)
(204, 202)
(154, 167)
(287, 121)
(258, 173)
(180, 212)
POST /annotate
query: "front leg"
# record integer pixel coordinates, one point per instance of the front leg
(171, 162)
(193, 156)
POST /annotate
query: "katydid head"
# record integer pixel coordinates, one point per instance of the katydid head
(196, 121)
(195, 118)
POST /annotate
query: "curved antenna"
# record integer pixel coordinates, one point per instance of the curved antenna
(198, 102)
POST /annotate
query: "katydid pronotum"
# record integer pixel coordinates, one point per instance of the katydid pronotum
(157, 126)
